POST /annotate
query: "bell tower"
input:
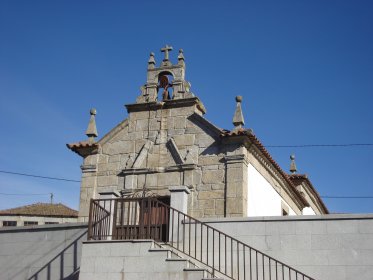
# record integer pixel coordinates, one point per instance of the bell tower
(166, 82)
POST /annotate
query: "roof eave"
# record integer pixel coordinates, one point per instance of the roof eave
(39, 215)
(247, 137)
(83, 150)
(305, 178)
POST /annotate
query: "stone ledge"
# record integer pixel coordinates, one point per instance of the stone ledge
(88, 168)
(166, 104)
(179, 167)
(179, 189)
(292, 218)
(119, 241)
(44, 227)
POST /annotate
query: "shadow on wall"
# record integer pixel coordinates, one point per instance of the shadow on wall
(64, 265)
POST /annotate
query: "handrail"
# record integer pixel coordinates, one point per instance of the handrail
(96, 217)
(139, 218)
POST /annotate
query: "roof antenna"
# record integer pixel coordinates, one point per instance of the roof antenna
(51, 198)
(293, 167)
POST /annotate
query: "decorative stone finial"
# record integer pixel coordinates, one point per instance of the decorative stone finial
(92, 130)
(181, 54)
(180, 57)
(151, 61)
(293, 167)
(238, 120)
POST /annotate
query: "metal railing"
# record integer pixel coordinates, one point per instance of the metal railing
(149, 218)
(99, 223)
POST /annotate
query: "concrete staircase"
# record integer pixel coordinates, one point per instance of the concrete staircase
(136, 259)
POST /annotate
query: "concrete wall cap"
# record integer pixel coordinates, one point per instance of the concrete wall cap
(291, 218)
(109, 193)
(58, 227)
(179, 189)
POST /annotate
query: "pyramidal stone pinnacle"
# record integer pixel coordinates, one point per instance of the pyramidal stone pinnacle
(151, 61)
(238, 120)
(92, 130)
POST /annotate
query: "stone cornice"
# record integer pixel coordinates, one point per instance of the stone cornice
(314, 198)
(202, 122)
(179, 189)
(175, 168)
(236, 159)
(241, 139)
(113, 132)
(302, 181)
(165, 68)
(147, 106)
(88, 168)
(167, 104)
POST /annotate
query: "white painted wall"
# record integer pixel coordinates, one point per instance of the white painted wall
(262, 198)
(41, 220)
(308, 211)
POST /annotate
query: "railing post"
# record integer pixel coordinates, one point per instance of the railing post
(179, 201)
(179, 198)
(110, 207)
(90, 219)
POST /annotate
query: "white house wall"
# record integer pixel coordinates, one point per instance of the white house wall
(40, 220)
(308, 211)
(262, 198)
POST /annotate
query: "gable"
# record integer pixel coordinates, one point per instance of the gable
(158, 139)
(116, 133)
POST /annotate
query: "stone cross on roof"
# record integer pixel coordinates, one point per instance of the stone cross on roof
(166, 49)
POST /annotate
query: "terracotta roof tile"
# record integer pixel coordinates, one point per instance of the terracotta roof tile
(81, 144)
(249, 133)
(41, 209)
(83, 148)
(298, 179)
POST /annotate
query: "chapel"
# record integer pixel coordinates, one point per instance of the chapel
(166, 144)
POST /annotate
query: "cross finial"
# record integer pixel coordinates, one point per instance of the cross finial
(166, 49)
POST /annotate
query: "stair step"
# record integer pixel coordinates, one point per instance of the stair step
(159, 250)
(194, 269)
(194, 273)
(176, 260)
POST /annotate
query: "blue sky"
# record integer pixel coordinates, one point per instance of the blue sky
(304, 69)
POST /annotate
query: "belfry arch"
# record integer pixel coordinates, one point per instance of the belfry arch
(165, 82)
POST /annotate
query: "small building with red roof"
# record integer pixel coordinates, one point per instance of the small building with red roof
(38, 214)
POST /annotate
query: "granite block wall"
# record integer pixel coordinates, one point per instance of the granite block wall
(41, 252)
(338, 247)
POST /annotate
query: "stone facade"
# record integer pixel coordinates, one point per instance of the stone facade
(41, 252)
(165, 142)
